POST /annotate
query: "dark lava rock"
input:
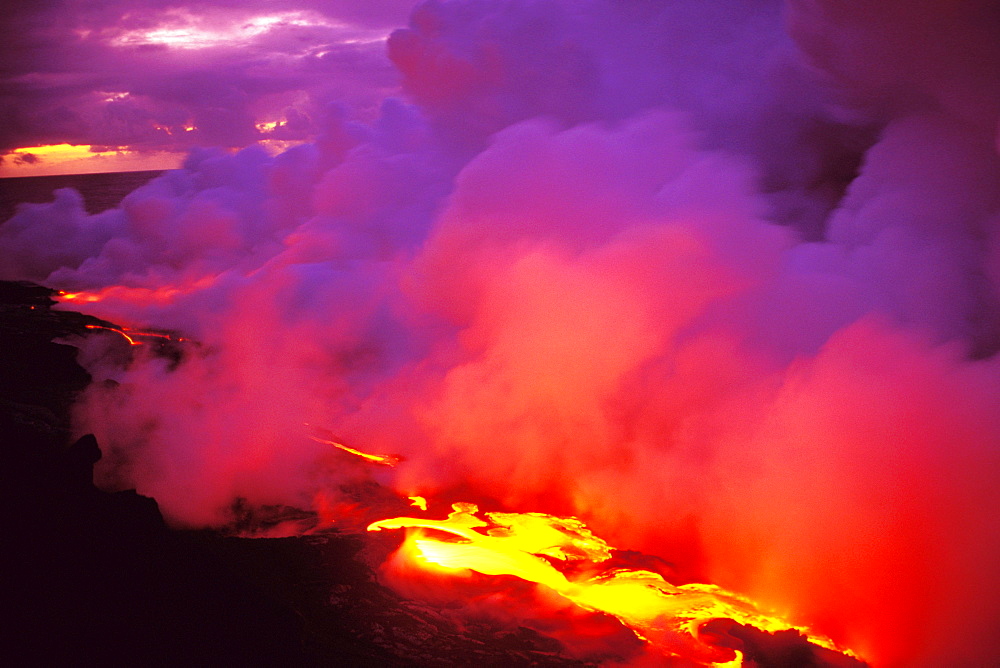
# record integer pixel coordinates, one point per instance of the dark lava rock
(782, 649)
(96, 578)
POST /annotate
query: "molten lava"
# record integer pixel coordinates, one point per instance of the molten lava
(327, 438)
(527, 545)
(117, 331)
(133, 336)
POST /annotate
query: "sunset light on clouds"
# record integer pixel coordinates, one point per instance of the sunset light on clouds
(119, 86)
(83, 159)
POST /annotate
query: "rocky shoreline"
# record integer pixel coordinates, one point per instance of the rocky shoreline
(98, 578)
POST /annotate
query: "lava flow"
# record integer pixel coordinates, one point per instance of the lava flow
(525, 545)
(327, 438)
(133, 336)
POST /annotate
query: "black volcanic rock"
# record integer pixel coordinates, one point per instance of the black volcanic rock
(96, 578)
(781, 649)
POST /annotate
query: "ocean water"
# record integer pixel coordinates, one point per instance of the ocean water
(100, 191)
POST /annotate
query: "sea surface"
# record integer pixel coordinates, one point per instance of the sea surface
(100, 191)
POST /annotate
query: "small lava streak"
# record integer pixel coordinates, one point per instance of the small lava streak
(117, 331)
(132, 336)
(418, 501)
(155, 335)
(327, 437)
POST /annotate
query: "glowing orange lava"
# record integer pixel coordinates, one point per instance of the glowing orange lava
(132, 336)
(117, 331)
(142, 296)
(526, 545)
(327, 438)
(79, 297)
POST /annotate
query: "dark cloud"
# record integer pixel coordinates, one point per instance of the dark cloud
(84, 56)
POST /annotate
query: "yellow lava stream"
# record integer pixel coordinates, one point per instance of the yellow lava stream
(668, 617)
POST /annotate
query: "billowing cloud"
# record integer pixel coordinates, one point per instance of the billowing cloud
(158, 76)
(721, 281)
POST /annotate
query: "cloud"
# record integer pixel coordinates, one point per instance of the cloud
(721, 281)
(217, 68)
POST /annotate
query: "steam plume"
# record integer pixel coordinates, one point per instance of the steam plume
(722, 281)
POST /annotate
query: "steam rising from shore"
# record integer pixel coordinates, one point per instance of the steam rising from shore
(722, 281)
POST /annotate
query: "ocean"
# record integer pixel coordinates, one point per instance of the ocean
(100, 191)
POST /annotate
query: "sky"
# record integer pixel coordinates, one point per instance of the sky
(721, 279)
(93, 86)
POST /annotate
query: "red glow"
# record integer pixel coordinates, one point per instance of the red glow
(137, 296)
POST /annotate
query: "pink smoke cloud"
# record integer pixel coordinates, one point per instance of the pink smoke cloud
(730, 296)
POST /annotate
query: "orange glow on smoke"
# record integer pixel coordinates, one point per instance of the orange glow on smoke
(79, 297)
(527, 545)
(140, 296)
